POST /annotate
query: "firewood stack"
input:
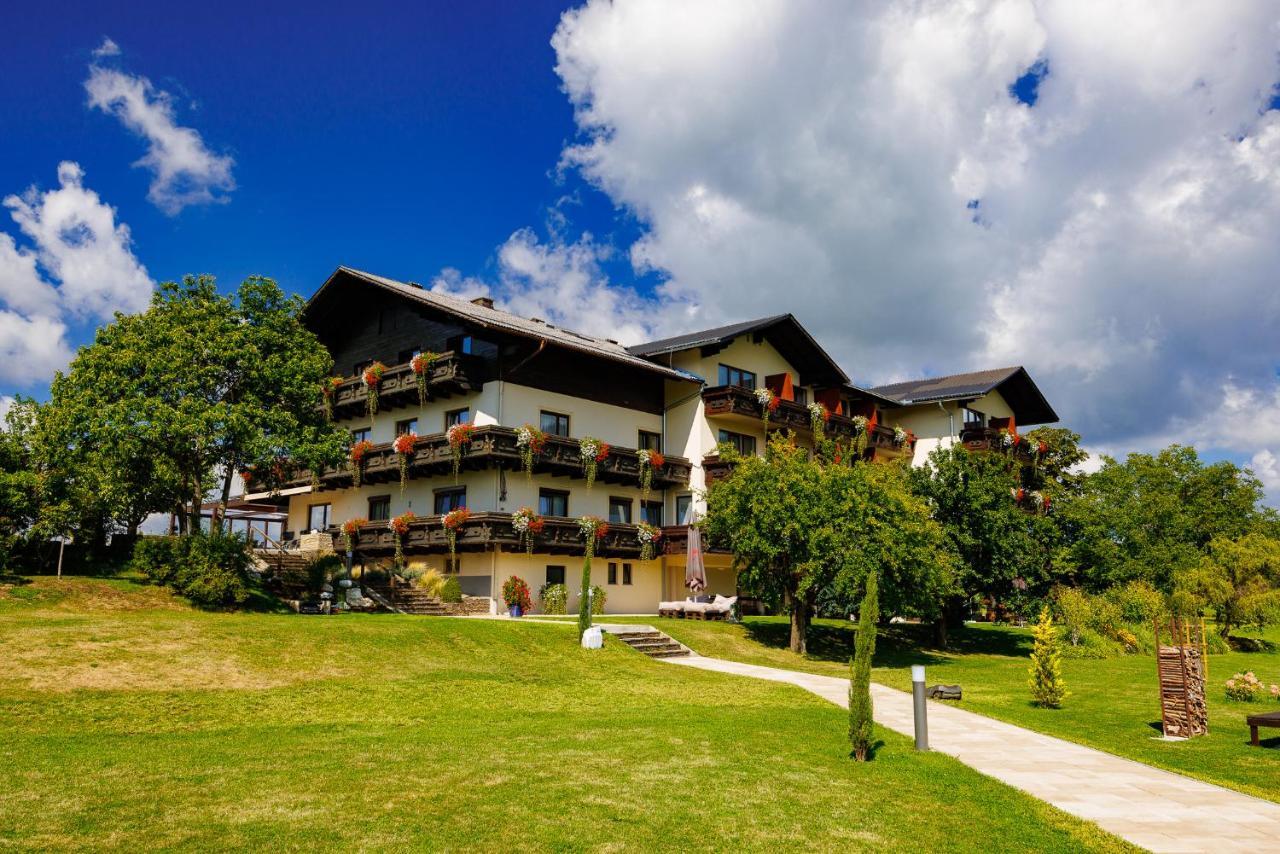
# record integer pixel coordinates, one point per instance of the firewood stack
(1182, 667)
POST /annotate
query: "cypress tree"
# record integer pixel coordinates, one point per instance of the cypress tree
(864, 647)
(584, 607)
(1047, 688)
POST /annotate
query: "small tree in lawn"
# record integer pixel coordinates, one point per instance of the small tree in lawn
(864, 647)
(1047, 688)
(592, 529)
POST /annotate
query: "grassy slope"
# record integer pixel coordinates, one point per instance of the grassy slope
(127, 720)
(1114, 704)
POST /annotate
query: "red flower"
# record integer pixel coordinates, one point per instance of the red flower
(373, 374)
(603, 453)
(360, 449)
(656, 460)
(351, 527)
(400, 524)
(330, 386)
(404, 443)
(455, 519)
(1043, 447)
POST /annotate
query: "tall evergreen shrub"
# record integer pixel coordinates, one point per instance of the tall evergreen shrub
(1047, 687)
(864, 647)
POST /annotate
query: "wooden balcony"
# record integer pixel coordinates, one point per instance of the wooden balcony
(493, 445)
(399, 386)
(714, 468)
(675, 541)
(993, 440)
(740, 404)
(489, 531)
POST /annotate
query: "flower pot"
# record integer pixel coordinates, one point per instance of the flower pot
(516, 611)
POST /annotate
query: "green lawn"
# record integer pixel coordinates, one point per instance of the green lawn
(1114, 705)
(128, 721)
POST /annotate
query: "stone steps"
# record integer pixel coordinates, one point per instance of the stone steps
(411, 601)
(652, 643)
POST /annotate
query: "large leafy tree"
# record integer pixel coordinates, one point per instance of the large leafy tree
(999, 547)
(1240, 578)
(19, 482)
(165, 407)
(798, 526)
(1151, 517)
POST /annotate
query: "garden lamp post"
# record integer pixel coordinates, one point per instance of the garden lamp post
(918, 705)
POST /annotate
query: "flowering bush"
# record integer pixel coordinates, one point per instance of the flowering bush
(530, 440)
(555, 598)
(421, 367)
(593, 452)
(1246, 687)
(593, 528)
(399, 526)
(328, 391)
(598, 597)
(403, 445)
(650, 461)
(350, 532)
(768, 404)
(818, 417)
(648, 535)
(372, 377)
(459, 436)
(527, 525)
(453, 522)
(359, 451)
(899, 436)
(515, 592)
(860, 424)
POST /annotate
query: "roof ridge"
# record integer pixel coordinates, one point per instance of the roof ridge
(1006, 370)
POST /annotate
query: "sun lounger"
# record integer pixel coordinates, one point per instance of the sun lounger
(671, 609)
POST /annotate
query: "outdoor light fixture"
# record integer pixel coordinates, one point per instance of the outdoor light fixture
(917, 702)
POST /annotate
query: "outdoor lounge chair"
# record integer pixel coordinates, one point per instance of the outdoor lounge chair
(671, 609)
(719, 609)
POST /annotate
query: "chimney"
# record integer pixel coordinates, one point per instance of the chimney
(487, 302)
(414, 285)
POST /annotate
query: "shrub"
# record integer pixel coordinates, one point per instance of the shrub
(598, 597)
(555, 598)
(1047, 688)
(515, 593)
(216, 570)
(323, 570)
(158, 558)
(1075, 611)
(410, 574)
(451, 590)
(432, 581)
(1138, 602)
(1246, 688)
(864, 647)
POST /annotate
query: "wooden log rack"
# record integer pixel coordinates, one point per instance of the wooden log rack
(1182, 666)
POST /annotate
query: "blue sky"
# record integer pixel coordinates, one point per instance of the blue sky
(1089, 188)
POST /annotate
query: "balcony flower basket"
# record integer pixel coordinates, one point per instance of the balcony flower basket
(531, 441)
(648, 535)
(818, 417)
(351, 533)
(768, 405)
(459, 437)
(453, 522)
(515, 593)
(650, 462)
(359, 451)
(593, 529)
(593, 452)
(372, 378)
(328, 392)
(527, 525)
(900, 437)
(860, 424)
(403, 446)
(421, 367)
(399, 526)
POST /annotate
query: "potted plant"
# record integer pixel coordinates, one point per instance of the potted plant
(530, 440)
(359, 451)
(593, 452)
(515, 592)
(329, 391)
(403, 446)
(421, 367)
(527, 525)
(459, 437)
(650, 462)
(372, 376)
(453, 522)
(768, 405)
(399, 528)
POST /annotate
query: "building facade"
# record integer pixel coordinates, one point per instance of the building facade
(496, 372)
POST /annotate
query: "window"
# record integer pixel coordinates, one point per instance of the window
(409, 425)
(379, 508)
(553, 502)
(452, 565)
(801, 395)
(613, 573)
(650, 441)
(456, 416)
(555, 575)
(684, 504)
(448, 500)
(626, 573)
(620, 511)
(407, 355)
(554, 423)
(360, 366)
(737, 376)
(461, 344)
(973, 418)
(360, 435)
(651, 512)
(318, 517)
(745, 445)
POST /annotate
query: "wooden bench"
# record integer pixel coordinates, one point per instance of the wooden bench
(1271, 719)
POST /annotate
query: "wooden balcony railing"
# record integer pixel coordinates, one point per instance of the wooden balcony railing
(734, 400)
(486, 531)
(994, 440)
(714, 468)
(449, 375)
(494, 445)
(675, 541)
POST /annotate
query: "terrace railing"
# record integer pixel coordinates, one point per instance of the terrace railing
(488, 530)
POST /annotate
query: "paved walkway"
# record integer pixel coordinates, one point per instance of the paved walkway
(1155, 809)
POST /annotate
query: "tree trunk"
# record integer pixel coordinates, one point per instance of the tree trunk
(197, 500)
(799, 609)
(940, 632)
(221, 512)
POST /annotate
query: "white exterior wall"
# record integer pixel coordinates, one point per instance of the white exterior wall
(936, 426)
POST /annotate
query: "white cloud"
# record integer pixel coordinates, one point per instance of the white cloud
(79, 266)
(1266, 465)
(106, 49)
(822, 158)
(185, 171)
(6, 403)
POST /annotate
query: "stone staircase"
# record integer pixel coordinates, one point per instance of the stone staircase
(649, 641)
(410, 600)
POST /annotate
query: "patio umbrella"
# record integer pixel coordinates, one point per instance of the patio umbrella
(695, 574)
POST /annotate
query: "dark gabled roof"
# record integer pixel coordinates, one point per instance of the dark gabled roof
(1014, 384)
(492, 318)
(783, 331)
